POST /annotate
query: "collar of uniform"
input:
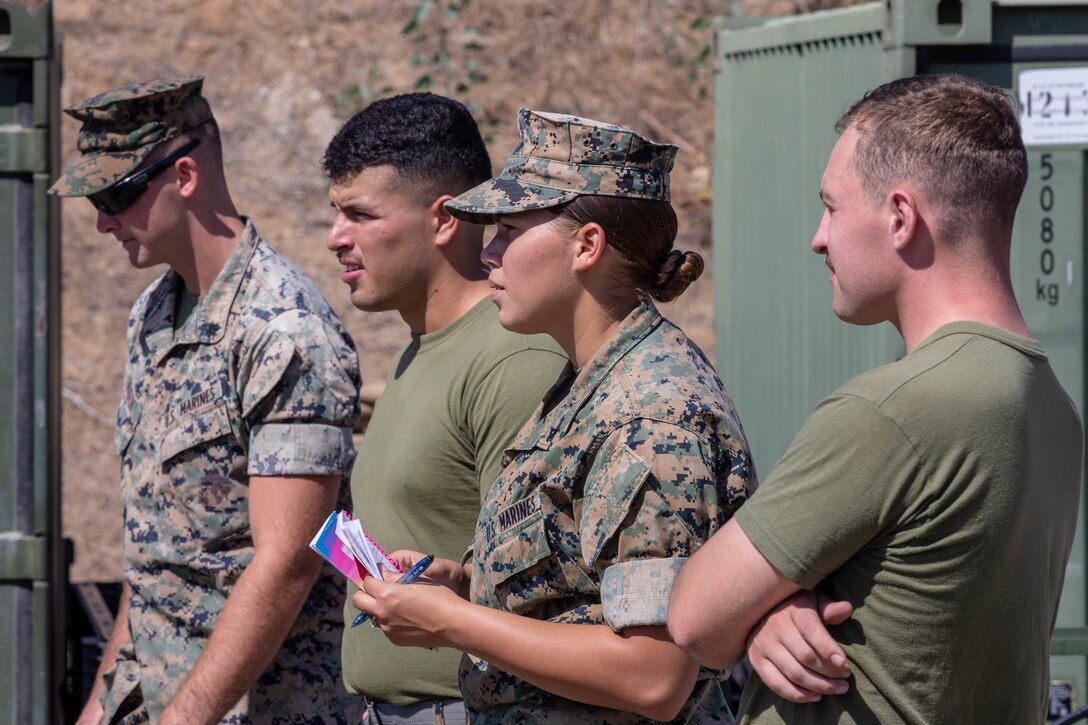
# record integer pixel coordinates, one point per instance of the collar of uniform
(207, 324)
(209, 320)
(637, 325)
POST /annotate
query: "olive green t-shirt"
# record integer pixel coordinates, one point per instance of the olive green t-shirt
(938, 495)
(453, 400)
(183, 308)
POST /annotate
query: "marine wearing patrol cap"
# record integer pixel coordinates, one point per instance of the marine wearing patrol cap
(560, 157)
(122, 126)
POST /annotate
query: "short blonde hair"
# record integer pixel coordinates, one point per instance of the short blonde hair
(956, 136)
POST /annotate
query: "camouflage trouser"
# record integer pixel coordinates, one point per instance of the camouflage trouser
(430, 712)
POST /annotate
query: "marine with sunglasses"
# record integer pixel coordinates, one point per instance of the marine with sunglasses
(234, 434)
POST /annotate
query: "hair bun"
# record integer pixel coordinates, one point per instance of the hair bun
(675, 273)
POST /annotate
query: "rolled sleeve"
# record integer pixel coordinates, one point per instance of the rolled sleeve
(299, 381)
(647, 508)
(636, 593)
(314, 449)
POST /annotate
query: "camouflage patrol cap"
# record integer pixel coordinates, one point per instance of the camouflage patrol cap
(122, 126)
(560, 157)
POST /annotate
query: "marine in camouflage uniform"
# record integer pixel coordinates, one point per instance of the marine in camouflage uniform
(641, 460)
(261, 379)
(630, 463)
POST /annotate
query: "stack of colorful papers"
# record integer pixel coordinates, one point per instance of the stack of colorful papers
(342, 542)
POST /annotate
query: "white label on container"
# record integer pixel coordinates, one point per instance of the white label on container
(1054, 106)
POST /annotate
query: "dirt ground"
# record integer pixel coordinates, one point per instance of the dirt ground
(282, 76)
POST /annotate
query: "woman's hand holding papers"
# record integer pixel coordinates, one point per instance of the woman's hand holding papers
(415, 615)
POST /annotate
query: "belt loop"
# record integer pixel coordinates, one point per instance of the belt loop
(439, 716)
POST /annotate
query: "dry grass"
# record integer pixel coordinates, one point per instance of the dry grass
(282, 76)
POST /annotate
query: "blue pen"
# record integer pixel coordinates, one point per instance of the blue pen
(407, 578)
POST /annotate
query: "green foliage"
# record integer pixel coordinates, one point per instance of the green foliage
(421, 13)
(448, 61)
(449, 64)
(361, 94)
(687, 39)
(449, 54)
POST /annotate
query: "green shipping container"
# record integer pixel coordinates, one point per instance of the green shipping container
(780, 86)
(32, 571)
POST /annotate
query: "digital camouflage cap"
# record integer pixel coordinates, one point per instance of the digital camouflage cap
(560, 157)
(122, 126)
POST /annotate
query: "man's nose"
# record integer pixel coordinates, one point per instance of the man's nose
(106, 223)
(819, 239)
(336, 239)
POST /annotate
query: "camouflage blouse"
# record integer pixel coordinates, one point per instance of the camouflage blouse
(640, 461)
(262, 379)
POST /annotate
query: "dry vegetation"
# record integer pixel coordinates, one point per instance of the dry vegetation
(282, 76)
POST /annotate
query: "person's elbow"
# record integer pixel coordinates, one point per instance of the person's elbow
(663, 696)
(693, 635)
(665, 709)
(295, 569)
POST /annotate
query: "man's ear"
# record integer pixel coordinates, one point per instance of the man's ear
(589, 245)
(444, 224)
(188, 176)
(903, 217)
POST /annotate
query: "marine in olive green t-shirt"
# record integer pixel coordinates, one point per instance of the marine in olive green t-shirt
(453, 400)
(938, 495)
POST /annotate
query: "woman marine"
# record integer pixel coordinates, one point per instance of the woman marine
(633, 460)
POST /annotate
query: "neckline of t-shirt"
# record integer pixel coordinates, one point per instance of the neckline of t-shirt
(430, 340)
(1026, 345)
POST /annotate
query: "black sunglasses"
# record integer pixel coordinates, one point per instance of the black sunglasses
(115, 199)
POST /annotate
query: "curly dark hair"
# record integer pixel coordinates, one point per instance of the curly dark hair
(432, 143)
